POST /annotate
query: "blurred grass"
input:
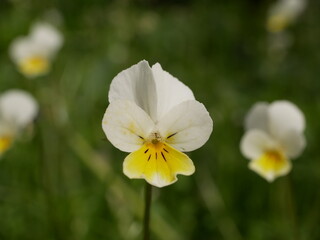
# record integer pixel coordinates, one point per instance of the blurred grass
(67, 181)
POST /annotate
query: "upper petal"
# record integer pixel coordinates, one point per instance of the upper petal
(170, 91)
(255, 142)
(136, 84)
(257, 117)
(46, 36)
(18, 107)
(186, 126)
(126, 125)
(285, 116)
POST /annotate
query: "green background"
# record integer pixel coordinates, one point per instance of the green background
(64, 180)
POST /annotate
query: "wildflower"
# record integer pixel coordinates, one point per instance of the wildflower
(33, 53)
(274, 136)
(17, 109)
(154, 116)
(283, 13)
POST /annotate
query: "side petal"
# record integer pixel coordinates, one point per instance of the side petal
(126, 125)
(18, 107)
(170, 91)
(158, 164)
(21, 48)
(285, 116)
(186, 126)
(293, 143)
(257, 117)
(136, 84)
(255, 142)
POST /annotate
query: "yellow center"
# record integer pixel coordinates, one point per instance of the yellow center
(157, 162)
(5, 143)
(272, 161)
(277, 23)
(34, 66)
(271, 164)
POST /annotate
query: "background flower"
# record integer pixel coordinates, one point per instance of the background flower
(283, 13)
(17, 109)
(33, 53)
(274, 135)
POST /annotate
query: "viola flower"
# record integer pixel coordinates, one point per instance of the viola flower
(154, 116)
(274, 135)
(17, 110)
(34, 53)
(283, 13)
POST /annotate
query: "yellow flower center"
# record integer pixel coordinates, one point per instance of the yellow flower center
(5, 143)
(271, 164)
(157, 162)
(34, 66)
(272, 161)
(277, 23)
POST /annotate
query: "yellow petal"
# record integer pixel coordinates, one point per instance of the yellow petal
(5, 143)
(277, 23)
(158, 163)
(271, 164)
(34, 66)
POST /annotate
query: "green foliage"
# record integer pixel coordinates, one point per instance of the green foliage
(66, 181)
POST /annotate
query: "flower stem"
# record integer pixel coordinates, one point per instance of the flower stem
(146, 221)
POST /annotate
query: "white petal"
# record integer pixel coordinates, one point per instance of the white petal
(293, 143)
(255, 142)
(126, 125)
(187, 126)
(18, 107)
(21, 48)
(285, 116)
(170, 90)
(136, 84)
(257, 117)
(46, 36)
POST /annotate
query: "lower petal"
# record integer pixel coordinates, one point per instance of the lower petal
(34, 66)
(270, 165)
(157, 163)
(5, 143)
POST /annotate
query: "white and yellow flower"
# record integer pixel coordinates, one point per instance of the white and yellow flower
(34, 53)
(274, 135)
(155, 116)
(17, 109)
(283, 13)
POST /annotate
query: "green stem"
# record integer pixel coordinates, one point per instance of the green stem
(146, 220)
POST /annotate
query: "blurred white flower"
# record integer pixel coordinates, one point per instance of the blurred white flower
(283, 13)
(17, 110)
(274, 135)
(154, 116)
(33, 53)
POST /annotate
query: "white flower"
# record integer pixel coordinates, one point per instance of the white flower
(274, 135)
(33, 53)
(283, 13)
(154, 116)
(17, 109)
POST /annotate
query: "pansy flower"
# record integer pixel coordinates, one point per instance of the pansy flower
(17, 109)
(155, 117)
(274, 136)
(284, 12)
(33, 53)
